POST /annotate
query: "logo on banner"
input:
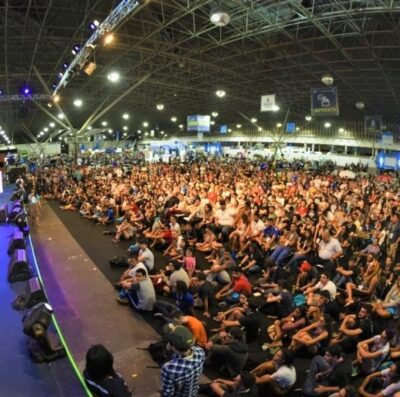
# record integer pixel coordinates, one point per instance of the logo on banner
(324, 101)
(268, 103)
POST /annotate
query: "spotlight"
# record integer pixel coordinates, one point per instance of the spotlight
(108, 38)
(308, 118)
(26, 90)
(253, 120)
(1, 92)
(104, 123)
(145, 124)
(113, 77)
(61, 116)
(45, 345)
(327, 79)
(110, 130)
(219, 17)
(60, 75)
(78, 102)
(65, 65)
(89, 68)
(94, 25)
(56, 98)
(276, 108)
(173, 119)
(212, 122)
(359, 105)
(238, 126)
(125, 128)
(341, 130)
(214, 114)
(52, 125)
(327, 124)
(125, 116)
(181, 126)
(75, 49)
(220, 93)
(259, 129)
(279, 125)
(45, 129)
(160, 106)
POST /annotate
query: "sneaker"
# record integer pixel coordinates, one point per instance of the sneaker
(122, 301)
(222, 305)
(355, 371)
(158, 315)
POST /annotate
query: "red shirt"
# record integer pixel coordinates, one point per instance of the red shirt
(241, 285)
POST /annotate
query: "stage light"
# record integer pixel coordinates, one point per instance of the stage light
(145, 124)
(108, 38)
(89, 68)
(276, 108)
(94, 25)
(1, 92)
(160, 106)
(26, 90)
(327, 79)
(341, 130)
(113, 77)
(181, 126)
(65, 65)
(220, 93)
(308, 118)
(125, 128)
(45, 129)
(279, 125)
(56, 98)
(104, 123)
(214, 114)
(259, 129)
(60, 75)
(89, 128)
(78, 102)
(110, 130)
(139, 131)
(174, 119)
(162, 132)
(125, 116)
(327, 124)
(61, 116)
(238, 126)
(212, 122)
(75, 49)
(45, 345)
(253, 120)
(124, 134)
(219, 17)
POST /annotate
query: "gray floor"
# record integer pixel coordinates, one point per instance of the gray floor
(83, 301)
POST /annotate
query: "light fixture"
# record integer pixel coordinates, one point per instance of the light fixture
(341, 130)
(75, 49)
(110, 130)
(26, 90)
(327, 79)
(125, 128)
(125, 116)
(212, 122)
(108, 38)
(104, 123)
(139, 131)
(113, 77)
(89, 128)
(229, 129)
(45, 129)
(124, 134)
(94, 25)
(56, 98)
(89, 67)
(308, 118)
(160, 106)
(61, 116)
(360, 105)
(220, 93)
(219, 17)
(297, 128)
(253, 120)
(174, 119)
(162, 132)
(327, 124)
(181, 126)
(276, 108)
(78, 102)
(279, 125)
(238, 126)
(214, 114)
(145, 124)
(259, 129)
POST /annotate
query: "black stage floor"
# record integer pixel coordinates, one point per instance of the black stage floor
(19, 375)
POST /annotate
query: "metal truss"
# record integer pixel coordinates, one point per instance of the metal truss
(23, 98)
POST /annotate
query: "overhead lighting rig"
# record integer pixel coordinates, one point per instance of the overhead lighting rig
(116, 17)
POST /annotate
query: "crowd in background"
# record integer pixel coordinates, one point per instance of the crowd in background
(307, 262)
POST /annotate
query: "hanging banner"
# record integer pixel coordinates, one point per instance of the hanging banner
(197, 123)
(268, 103)
(324, 101)
(373, 127)
(199, 135)
(290, 127)
(387, 138)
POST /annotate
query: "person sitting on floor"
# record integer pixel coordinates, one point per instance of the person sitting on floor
(278, 375)
(100, 375)
(195, 326)
(239, 284)
(242, 385)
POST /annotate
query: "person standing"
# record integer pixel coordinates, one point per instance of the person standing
(34, 207)
(180, 376)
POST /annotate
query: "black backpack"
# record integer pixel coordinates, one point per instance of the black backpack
(119, 261)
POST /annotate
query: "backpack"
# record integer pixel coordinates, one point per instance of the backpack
(119, 261)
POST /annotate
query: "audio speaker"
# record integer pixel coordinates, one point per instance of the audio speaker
(34, 293)
(17, 242)
(18, 268)
(3, 213)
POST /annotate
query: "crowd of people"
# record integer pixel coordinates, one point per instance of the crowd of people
(238, 258)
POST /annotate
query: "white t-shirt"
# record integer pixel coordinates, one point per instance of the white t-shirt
(330, 286)
(327, 250)
(285, 376)
(225, 217)
(138, 265)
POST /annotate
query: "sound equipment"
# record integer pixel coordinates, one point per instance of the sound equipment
(14, 173)
(13, 210)
(3, 213)
(18, 268)
(34, 293)
(17, 242)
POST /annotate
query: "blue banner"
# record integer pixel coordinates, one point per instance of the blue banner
(324, 101)
(290, 128)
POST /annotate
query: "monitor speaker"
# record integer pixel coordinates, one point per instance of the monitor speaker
(34, 293)
(17, 242)
(18, 268)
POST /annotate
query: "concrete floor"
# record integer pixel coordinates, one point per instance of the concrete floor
(85, 308)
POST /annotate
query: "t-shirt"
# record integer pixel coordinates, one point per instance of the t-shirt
(146, 295)
(185, 302)
(147, 257)
(241, 285)
(179, 275)
(340, 374)
(391, 389)
(252, 392)
(285, 376)
(251, 324)
(330, 286)
(198, 330)
(327, 250)
(139, 265)
(110, 386)
(285, 306)
(206, 291)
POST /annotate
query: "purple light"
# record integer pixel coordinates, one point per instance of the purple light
(65, 65)
(1, 92)
(25, 90)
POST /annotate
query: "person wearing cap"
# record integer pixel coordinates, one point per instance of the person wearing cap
(228, 350)
(180, 376)
(307, 277)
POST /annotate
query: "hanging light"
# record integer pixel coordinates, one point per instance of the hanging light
(219, 16)
(220, 93)
(214, 114)
(327, 79)
(160, 106)
(360, 105)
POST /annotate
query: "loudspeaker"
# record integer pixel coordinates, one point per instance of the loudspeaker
(34, 293)
(13, 211)
(18, 268)
(17, 242)
(3, 213)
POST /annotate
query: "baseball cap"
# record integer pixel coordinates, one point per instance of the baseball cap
(178, 336)
(305, 267)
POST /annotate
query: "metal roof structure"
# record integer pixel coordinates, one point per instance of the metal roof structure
(168, 51)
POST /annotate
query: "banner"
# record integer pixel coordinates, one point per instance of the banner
(268, 103)
(387, 138)
(324, 101)
(373, 127)
(290, 128)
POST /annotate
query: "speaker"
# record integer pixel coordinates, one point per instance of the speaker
(17, 242)
(34, 293)
(14, 210)
(3, 213)
(18, 268)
